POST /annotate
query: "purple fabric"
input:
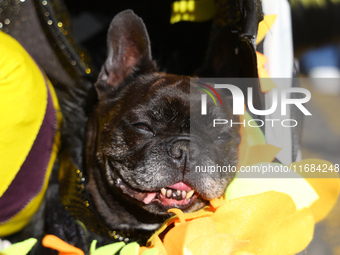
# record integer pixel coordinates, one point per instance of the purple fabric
(30, 178)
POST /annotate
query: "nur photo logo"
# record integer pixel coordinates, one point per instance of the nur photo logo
(204, 97)
(280, 103)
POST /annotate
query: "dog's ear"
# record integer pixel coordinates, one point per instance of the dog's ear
(129, 52)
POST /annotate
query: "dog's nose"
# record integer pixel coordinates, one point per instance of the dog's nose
(183, 148)
(179, 149)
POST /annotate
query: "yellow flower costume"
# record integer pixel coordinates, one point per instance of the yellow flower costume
(29, 135)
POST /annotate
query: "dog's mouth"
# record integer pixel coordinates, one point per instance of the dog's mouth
(178, 195)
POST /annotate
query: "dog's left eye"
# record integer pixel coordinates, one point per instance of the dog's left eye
(224, 137)
(143, 126)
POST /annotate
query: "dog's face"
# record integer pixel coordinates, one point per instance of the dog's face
(141, 148)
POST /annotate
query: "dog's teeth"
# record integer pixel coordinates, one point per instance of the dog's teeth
(190, 193)
(163, 191)
(176, 194)
(169, 193)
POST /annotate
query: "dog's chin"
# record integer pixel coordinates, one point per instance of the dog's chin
(178, 195)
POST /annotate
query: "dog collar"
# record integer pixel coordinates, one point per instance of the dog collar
(77, 201)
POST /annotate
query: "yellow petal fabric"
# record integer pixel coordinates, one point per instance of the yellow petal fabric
(185, 233)
(155, 243)
(327, 188)
(295, 232)
(264, 27)
(253, 147)
(206, 211)
(291, 183)
(266, 83)
(207, 245)
(23, 101)
(261, 61)
(266, 223)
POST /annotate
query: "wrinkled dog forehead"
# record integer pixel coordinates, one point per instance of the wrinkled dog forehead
(156, 85)
(155, 91)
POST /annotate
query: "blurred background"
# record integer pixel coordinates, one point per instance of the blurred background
(316, 42)
(321, 139)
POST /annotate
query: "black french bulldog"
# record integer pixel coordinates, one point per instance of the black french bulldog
(143, 138)
(139, 151)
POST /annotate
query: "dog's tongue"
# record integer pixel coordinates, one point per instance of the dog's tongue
(150, 196)
(180, 186)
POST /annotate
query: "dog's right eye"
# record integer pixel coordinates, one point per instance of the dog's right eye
(143, 126)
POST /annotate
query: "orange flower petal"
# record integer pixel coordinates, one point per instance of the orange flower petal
(248, 214)
(327, 188)
(204, 212)
(182, 234)
(178, 213)
(157, 244)
(212, 244)
(55, 243)
(264, 26)
(294, 233)
(217, 202)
